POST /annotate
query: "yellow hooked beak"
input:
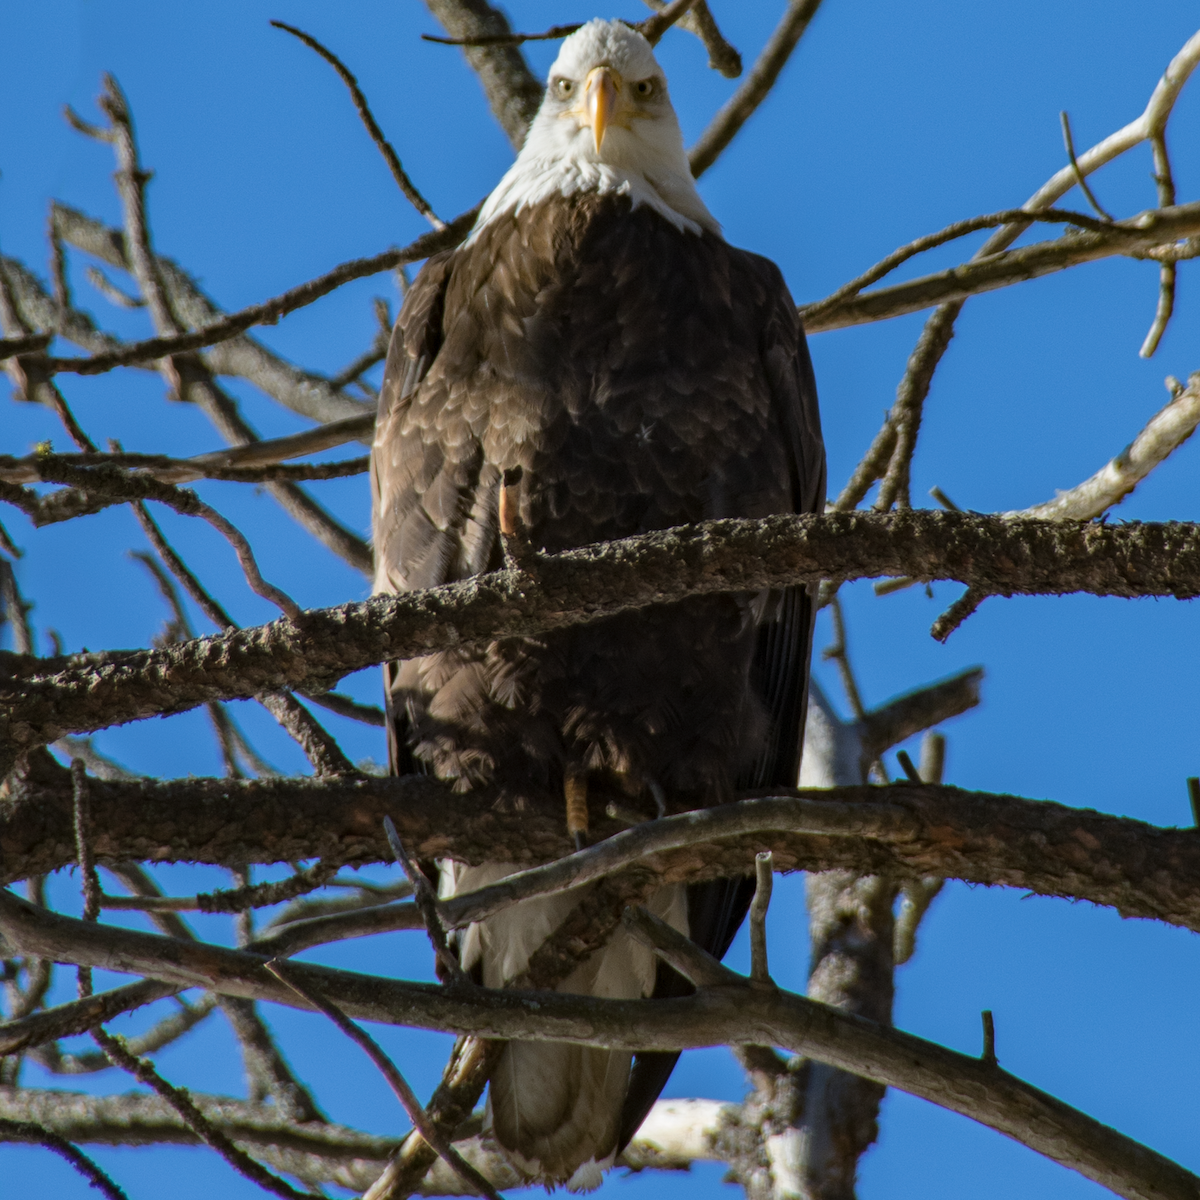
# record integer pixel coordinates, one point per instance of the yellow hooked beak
(599, 100)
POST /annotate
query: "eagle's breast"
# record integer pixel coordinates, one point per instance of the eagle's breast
(616, 360)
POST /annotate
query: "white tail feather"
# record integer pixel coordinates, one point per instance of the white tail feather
(555, 1107)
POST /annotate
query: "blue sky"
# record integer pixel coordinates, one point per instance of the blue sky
(890, 122)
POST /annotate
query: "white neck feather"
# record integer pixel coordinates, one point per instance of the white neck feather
(645, 161)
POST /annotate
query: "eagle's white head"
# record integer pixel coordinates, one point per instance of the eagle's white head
(605, 125)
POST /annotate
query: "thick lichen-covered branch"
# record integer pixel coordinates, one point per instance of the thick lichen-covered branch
(911, 830)
(42, 699)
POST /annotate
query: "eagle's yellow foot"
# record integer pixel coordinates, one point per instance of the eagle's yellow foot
(575, 791)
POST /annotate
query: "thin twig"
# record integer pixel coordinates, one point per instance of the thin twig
(88, 880)
(131, 186)
(916, 895)
(504, 39)
(162, 1034)
(30, 1131)
(837, 652)
(908, 766)
(14, 347)
(699, 20)
(179, 629)
(364, 362)
(270, 311)
(131, 181)
(110, 291)
(905, 417)
(989, 1038)
(958, 612)
(96, 132)
(241, 547)
(72, 426)
(318, 745)
(195, 1120)
(930, 241)
(14, 609)
(303, 392)
(933, 757)
(944, 500)
(384, 147)
(58, 269)
(78, 1016)
(1160, 437)
(1069, 143)
(344, 706)
(1151, 121)
(693, 962)
(427, 903)
(764, 871)
(82, 818)
(210, 607)
(653, 28)
(399, 1085)
(6, 543)
(263, 895)
(1165, 183)
(186, 502)
(755, 88)
(267, 1073)
(233, 900)
(99, 765)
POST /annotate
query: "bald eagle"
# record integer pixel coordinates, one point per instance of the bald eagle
(593, 362)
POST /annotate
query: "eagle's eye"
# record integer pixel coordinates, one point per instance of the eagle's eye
(563, 87)
(644, 87)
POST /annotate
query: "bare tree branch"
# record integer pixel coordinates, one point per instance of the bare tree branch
(42, 699)
(166, 1031)
(1162, 435)
(315, 1152)
(78, 1016)
(504, 39)
(513, 92)
(185, 373)
(309, 395)
(724, 1015)
(676, 1133)
(270, 311)
(900, 719)
(215, 1137)
(313, 738)
(939, 329)
(13, 347)
(27, 1131)
(653, 28)
(384, 147)
(756, 87)
(399, 1085)
(267, 1072)
(699, 20)
(220, 464)
(1080, 177)
(1132, 237)
(1038, 846)
(1166, 273)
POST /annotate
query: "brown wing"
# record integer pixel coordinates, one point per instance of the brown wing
(434, 514)
(781, 662)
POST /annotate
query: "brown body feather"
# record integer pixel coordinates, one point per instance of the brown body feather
(641, 377)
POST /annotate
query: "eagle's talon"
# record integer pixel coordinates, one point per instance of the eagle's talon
(575, 792)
